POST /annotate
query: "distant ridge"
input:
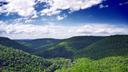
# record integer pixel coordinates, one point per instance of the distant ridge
(116, 45)
(11, 43)
(94, 47)
(67, 47)
(87, 46)
(37, 43)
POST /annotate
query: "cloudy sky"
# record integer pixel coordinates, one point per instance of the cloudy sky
(30, 19)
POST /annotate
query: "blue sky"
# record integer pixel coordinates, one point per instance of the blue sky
(23, 19)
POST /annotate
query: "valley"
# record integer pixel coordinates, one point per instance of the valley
(75, 54)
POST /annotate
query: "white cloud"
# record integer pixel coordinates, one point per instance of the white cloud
(22, 7)
(72, 5)
(60, 17)
(18, 31)
(26, 7)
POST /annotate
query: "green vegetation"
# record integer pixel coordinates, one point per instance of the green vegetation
(66, 48)
(37, 43)
(16, 60)
(11, 43)
(84, 46)
(109, 46)
(110, 64)
(76, 54)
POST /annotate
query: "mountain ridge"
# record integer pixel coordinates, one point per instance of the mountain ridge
(78, 46)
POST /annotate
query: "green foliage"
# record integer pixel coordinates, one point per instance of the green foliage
(12, 60)
(59, 63)
(11, 43)
(109, 46)
(67, 48)
(84, 46)
(37, 43)
(110, 64)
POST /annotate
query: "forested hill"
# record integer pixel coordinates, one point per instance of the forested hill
(13, 60)
(108, 64)
(11, 43)
(80, 46)
(76, 54)
(37, 43)
(67, 47)
(110, 46)
(84, 46)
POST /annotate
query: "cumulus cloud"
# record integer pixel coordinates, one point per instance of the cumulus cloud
(73, 5)
(53, 7)
(22, 7)
(28, 31)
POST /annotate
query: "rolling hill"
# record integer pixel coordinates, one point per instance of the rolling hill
(84, 46)
(111, 52)
(37, 43)
(66, 48)
(94, 47)
(14, 60)
(17, 60)
(108, 64)
(110, 46)
(11, 43)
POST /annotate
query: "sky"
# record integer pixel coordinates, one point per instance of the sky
(31, 19)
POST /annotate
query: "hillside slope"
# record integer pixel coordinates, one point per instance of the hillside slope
(11, 43)
(37, 43)
(110, 46)
(109, 64)
(83, 46)
(13, 60)
(67, 48)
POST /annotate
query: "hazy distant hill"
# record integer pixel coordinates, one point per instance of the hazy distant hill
(37, 43)
(11, 43)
